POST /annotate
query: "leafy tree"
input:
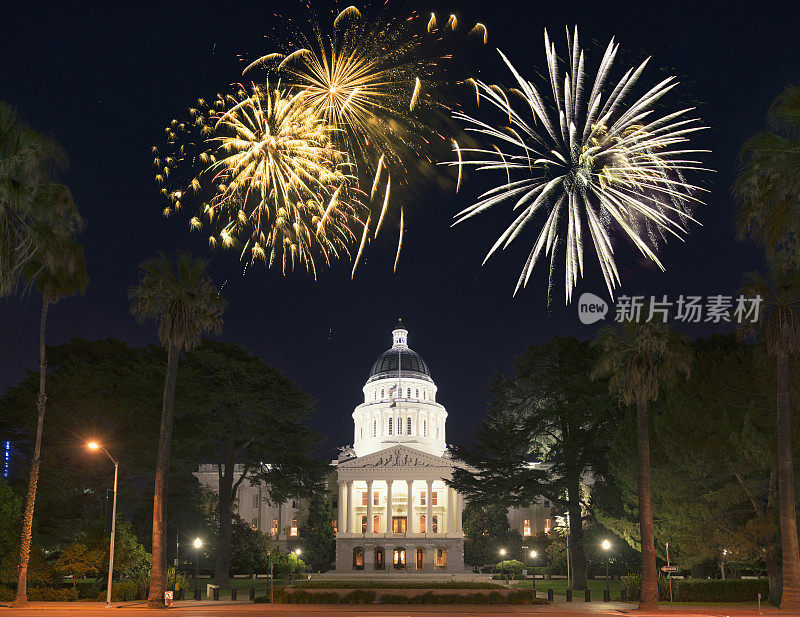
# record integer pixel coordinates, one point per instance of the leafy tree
(184, 301)
(317, 532)
(78, 561)
(250, 418)
(250, 549)
(550, 411)
(286, 566)
(636, 358)
(486, 531)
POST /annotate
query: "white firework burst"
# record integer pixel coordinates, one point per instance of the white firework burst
(584, 158)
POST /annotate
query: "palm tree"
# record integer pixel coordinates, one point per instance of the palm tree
(26, 158)
(779, 327)
(182, 299)
(57, 269)
(636, 358)
(767, 190)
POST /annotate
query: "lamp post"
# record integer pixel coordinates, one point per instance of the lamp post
(502, 563)
(533, 557)
(198, 543)
(93, 445)
(606, 546)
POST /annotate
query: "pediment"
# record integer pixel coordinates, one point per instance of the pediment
(397, 457)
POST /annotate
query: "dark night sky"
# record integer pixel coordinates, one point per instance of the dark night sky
(105, 80)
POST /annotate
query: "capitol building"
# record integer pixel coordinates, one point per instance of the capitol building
(394, 511)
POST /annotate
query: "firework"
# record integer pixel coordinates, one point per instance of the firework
(585, 157)
(374, 82)
(270, 178)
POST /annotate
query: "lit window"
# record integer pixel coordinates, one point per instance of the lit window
(440, 557)
(409, 426)
(335, 526)
(422, 523)
(293, 528)
(390, 426)
(547, 525)
(374, 428)
(434, 499)
(364, 498)
(254, 523)
(273, 530)
(363, 524)
(376, 523)
(435, 524)
(423, 497)
(358, 558)
(376, 499)
(526, 527)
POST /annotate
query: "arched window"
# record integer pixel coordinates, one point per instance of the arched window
(382, 392)
(399, 426)
(376, 523)
(408, 393)
(374, 428)
(358, 558)
(363, 524)
(409, 426)
(425, 395)
(293, 528)
(441, 559)
(399, 558)
(379, 560)
(420, 559)
(390, 426)
(416, 393)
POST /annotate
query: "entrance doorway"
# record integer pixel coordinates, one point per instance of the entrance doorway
(399, 559)
(399, 524)
(420, 559)
(379, 559)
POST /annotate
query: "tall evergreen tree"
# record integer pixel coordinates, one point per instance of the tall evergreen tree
(317, 532)
(550, 411)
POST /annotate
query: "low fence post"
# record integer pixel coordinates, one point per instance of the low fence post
(252, 593)
(233, 594)
(550, 595)
(216, 593)
(606, 595)
(569, 595)
(587, 596)
(623, 595)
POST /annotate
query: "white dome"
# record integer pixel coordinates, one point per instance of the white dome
(399, 405)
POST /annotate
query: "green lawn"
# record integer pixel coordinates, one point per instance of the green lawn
(559, 587)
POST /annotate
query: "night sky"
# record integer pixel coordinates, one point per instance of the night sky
(105, 79)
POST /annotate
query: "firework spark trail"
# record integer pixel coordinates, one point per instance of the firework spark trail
(598, 164)
(279, 186)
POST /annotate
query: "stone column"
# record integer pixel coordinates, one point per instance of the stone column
(388, 506)
(341, 523)
(459, 513)
(350, 507)
(451, 510)
(410, 508)
(429, 513)
(370, 528)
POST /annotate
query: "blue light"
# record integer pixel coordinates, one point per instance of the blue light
(6, 458)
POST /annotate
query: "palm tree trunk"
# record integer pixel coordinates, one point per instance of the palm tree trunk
(790, 600)
(158, 571)
(648, 596)
(27, 521)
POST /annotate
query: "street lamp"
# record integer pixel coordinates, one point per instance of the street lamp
(502, 563)
(606, 546)
(198, 543)
(93, 445)
(533, 557)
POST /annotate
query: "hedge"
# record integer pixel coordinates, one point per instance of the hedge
(124, 591)
(361, 596)
(702, 589)
(42, 594)
(395, 585)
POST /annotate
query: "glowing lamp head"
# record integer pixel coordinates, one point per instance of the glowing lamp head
(533, 554)
(197, 543)
(606, 545)
(297, 552)
(502, 552)
(93, 445)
